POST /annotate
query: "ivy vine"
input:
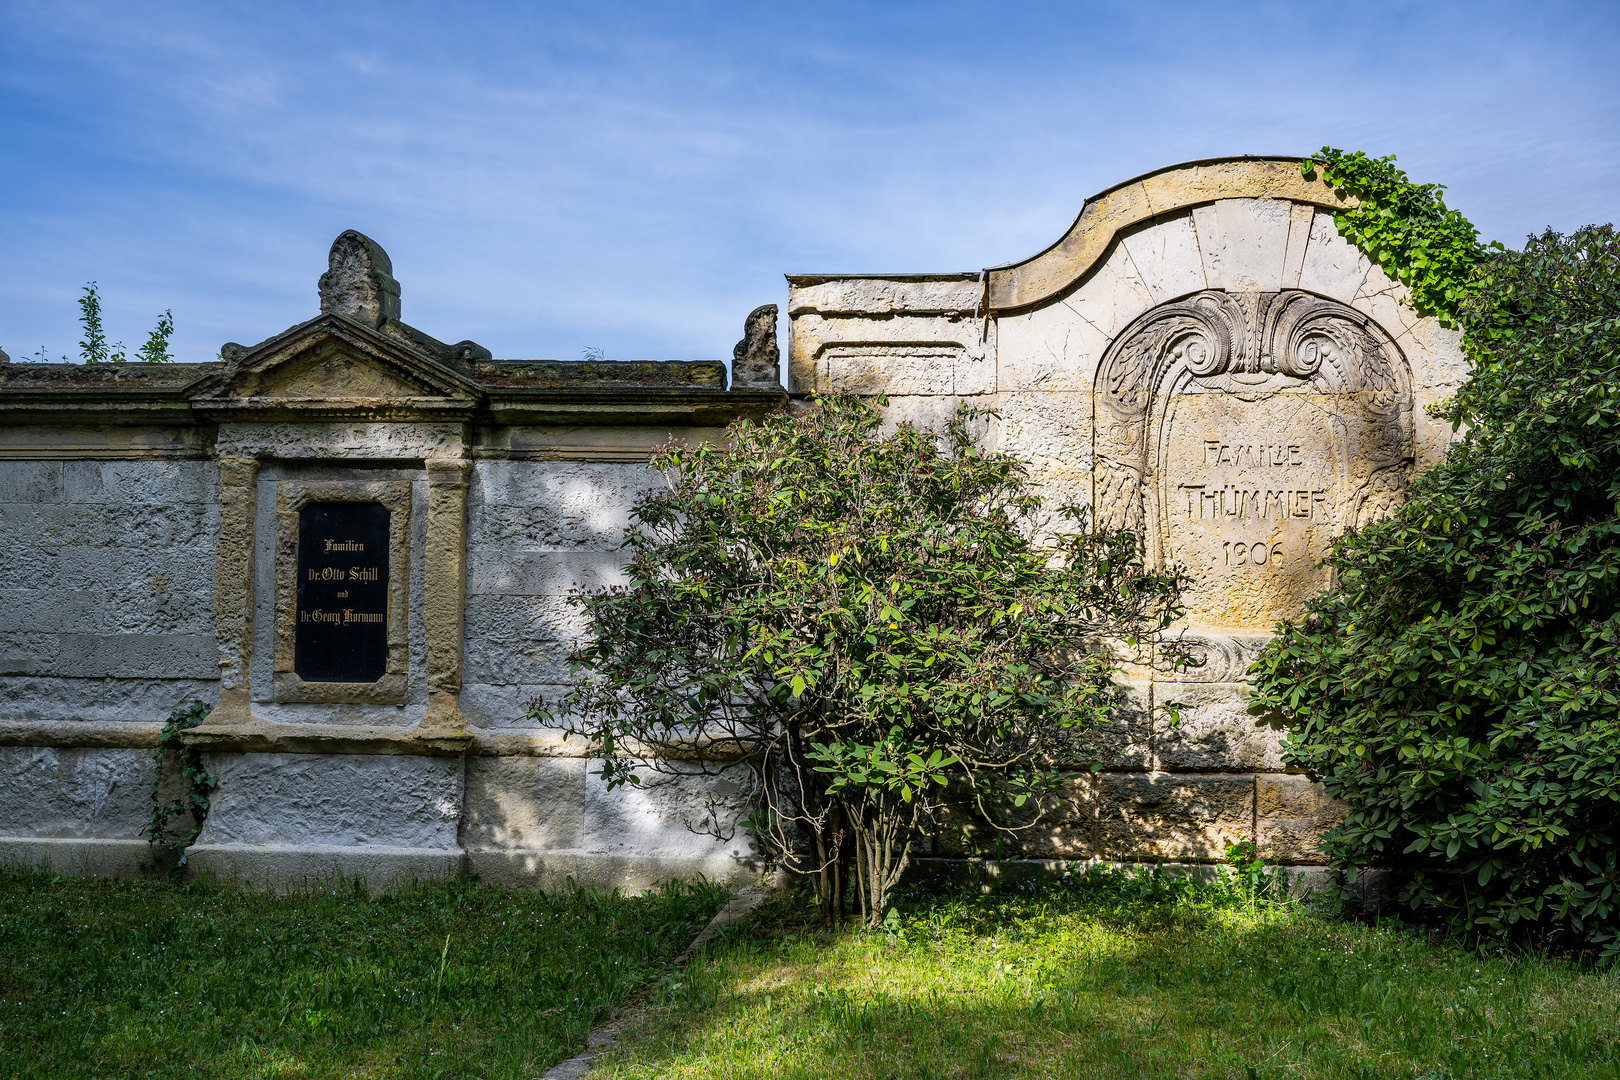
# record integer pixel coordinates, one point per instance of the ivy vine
(196, 782)
(1406, 228)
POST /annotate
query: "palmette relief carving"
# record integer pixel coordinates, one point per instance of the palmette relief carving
(1241, 432)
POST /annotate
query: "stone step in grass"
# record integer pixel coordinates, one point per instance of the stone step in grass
(149, 978)
(1119, 978)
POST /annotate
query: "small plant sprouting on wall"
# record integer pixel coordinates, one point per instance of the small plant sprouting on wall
(196, 781)
(94, 349)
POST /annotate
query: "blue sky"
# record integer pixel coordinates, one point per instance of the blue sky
(638, 176)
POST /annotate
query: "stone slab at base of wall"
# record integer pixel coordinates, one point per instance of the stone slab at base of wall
(293, 869)
(551, 871)
(985, 873)
(78, 856)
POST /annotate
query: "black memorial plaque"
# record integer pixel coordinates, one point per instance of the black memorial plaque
(342, 631)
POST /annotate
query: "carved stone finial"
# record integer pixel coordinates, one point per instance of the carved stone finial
(4, 359)
(360, 282)
(756, 359)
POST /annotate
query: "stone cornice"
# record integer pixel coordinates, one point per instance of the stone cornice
(505, 392)
(99, 734)
(1158, 194)
(589, 405)
(264, 737)
(1151, 197)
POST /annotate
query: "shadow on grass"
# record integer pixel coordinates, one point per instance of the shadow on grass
(1199, 984)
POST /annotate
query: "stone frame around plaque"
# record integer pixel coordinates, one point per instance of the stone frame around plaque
(291, 497)
(1250, 349)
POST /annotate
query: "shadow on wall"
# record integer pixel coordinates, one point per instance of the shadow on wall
(539, 821)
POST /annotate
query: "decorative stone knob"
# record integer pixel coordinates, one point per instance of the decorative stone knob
(756, 359)
(360, 280)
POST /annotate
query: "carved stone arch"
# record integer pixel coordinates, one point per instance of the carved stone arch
(1281, 414)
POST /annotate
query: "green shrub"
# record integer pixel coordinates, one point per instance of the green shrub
(1459, 685)
(859, 619)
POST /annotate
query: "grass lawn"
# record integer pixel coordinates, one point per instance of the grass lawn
(1117, 978)
(151, 979)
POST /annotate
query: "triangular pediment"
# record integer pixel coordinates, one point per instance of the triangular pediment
(335, 364)
(332, 374)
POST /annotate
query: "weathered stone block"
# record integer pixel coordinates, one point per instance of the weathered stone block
(172, 529)
(141, 607)
(1061, 825)
(667, 815)
(911, 353)
(1167, 258)
(926, 413)
(555, 871)
(29, 654)
(1112, 296)
(1333, 266)
(601, 525)
(304, 867)
(1291, 813)
(1065, 824)
(73, 792)
(129, 484)
(542, 573)
(576, 488)
(152, 606)
(79, 856)
(515, 661)
(519, 639)
(889, 369)
(962, 831)
(127, 700)
(1216, 732)
(338, 800)
(882, 296)
(174, 656)
(1387, 301)
(1052, 433)
(503, 705)
(524, 803)
(1206, 224)
(1047, 351)
(1300, 218)
(1172, 817)
(339, 441)
(30, 481)
(52, 611)
(1253, 239)
(1125, 739)
(80, 568)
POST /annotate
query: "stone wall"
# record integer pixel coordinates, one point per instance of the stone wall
(536, 531)
(156, 516)
(1200, 357)
(106, 621)
(1204, 358)
(107, 604)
